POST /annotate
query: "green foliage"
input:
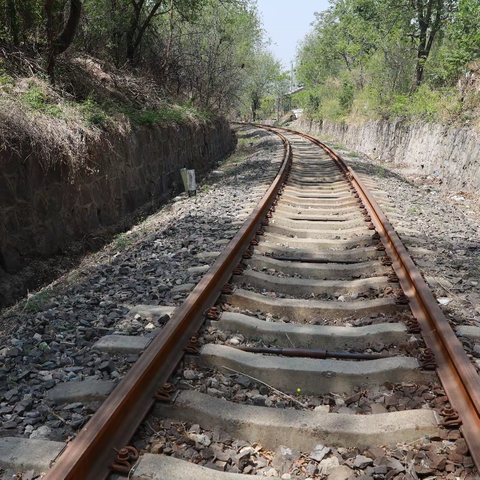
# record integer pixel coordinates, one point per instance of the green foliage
(346, 95)
(37, 99)
(390, 58)
(36, 302)
(93, 112)
(149, 117)
(122, 241)
(5, 79)
(200, 51)
(265, 83)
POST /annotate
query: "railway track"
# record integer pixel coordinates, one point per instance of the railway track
(311, 347)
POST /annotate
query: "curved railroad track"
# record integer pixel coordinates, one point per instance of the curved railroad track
(312, 331)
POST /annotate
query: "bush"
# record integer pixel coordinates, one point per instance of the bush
(94, 114)
(346, 95)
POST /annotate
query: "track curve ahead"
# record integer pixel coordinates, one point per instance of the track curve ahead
(316, 247)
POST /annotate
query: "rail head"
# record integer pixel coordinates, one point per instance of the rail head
(457, 374)
(90, 454)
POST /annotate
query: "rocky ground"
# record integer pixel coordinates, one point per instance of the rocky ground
(445, 224)
(47, 339)
(441, 456)
(244, 389)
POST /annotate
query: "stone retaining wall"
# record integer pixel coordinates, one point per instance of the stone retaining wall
(451, 154)
(42, 211)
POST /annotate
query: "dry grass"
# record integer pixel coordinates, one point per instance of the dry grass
(35, 119)
(62, 123)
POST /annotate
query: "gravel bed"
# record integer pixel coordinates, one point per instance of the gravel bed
(355, 321)
(48, 339)
(445, 222)
(240, 388)
(344, 297)
(440, 456)
(272, 272)
(445, 225)
(411, 347)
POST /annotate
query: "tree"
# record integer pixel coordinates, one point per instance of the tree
(209, 56)
(464, 35)
(263, 71)
(145, 12)
(59, 44)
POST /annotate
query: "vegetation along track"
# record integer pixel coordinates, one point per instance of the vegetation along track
(315, 271)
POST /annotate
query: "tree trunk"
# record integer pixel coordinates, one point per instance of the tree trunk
(59, 45)
(50, 42)
(136, 31)
(422, 55)
(170, 42)
(428, 31)
(12, 17)
(68, 34)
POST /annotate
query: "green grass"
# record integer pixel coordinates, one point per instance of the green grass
(35, 303)
(36, 99)
(205, 188)
(122, 241)
(380, 171)
(150, 117)
(93, 112)
(103, 114)
(412, 209)
(247, 142)
(353, 154)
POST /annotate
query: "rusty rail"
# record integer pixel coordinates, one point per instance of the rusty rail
(90, 455)
(457, 374)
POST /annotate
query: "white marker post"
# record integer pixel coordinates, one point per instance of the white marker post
(191, 183)
(188, 177)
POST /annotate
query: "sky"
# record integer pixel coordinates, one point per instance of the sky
(286, 22)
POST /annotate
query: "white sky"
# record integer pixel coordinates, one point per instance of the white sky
(286, 23)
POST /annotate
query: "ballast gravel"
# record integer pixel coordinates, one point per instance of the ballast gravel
(443, 232)
(47, 339)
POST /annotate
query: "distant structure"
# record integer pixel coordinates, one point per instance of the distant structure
(294, 88)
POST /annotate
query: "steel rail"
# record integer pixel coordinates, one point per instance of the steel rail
(90, 454)
(455, 370)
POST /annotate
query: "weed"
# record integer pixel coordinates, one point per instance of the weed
(380, 171)
(353, 154)
(5, 79)
(142, 225)
(205, 188)
(150, 117)
(36, 99)
(36, 302)
(93, 113)
(122, 241)
(245, 143)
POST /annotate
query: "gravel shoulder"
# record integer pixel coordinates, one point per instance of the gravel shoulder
(48, 339)
(441, 229)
